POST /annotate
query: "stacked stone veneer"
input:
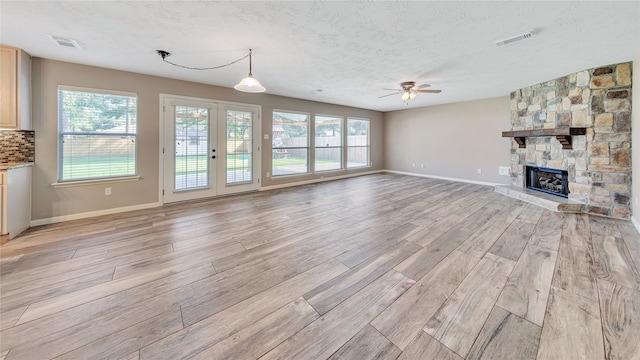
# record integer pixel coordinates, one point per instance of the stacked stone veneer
(599, 165)
(17, 146)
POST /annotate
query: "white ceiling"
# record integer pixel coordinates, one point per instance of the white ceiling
(349, 50)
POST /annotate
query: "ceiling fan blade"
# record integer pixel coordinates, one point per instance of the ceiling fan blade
(429, 91)
(396, 90)
(387, 95)
(424, 86)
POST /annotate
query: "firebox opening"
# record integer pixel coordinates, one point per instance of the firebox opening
(550, 181)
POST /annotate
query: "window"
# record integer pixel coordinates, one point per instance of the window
(328, 148)
(239, 147)
(357, 143)
(290, 147)
(96, 134)
(191, 145)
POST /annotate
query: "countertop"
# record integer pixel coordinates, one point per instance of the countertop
(9, 166)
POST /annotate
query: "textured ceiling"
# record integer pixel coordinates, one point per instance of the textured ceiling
(350, 51)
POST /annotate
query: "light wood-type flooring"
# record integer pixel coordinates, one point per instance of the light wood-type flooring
(381, 266)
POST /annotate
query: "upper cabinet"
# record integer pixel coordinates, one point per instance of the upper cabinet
(15, 89)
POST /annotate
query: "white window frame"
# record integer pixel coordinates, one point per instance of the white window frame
(316, 147)
(368, 146)
(308, 147)
(60, 146)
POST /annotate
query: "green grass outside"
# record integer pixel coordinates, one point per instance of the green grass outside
(96, 166)
(291, 161)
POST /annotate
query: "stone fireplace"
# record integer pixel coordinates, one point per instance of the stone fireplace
(597, 102)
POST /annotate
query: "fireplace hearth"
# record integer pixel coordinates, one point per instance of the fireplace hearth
(550, 181)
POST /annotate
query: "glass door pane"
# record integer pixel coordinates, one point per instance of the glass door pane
(239, 161)
(191, 148)
(328, 143)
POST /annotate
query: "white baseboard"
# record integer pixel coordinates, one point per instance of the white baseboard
(306, 182)
(635, 223)
(443, 178)
(57, 219)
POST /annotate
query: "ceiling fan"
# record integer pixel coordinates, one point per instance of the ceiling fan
(409, 90)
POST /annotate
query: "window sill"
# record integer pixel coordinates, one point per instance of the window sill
(288, 176)
(95, 182)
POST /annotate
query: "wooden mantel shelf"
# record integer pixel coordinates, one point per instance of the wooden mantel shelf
(563, 134)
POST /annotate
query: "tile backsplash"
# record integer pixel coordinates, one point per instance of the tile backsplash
(17, 146)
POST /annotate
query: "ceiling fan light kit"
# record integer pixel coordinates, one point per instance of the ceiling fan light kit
(248, 84)
(409, 91)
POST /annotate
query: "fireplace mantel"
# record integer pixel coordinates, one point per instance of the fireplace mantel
(563, 134)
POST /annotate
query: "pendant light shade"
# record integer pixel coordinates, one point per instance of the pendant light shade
(250, 84)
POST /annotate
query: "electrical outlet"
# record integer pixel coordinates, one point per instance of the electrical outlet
(479, 171)
(268, 174)
(107, 191)
(413, 164)
(421, 165)
(504, 170)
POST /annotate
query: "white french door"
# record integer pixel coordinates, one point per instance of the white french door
(189, 149)
(208, 148)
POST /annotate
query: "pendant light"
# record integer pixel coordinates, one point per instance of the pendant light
(250, 84)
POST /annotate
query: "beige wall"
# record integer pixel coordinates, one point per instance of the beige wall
(49, 202)
(635, 144)
(451, 140)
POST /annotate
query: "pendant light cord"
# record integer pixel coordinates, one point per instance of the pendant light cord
(165, 54)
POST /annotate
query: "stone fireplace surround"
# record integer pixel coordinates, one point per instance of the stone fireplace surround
(599, 163)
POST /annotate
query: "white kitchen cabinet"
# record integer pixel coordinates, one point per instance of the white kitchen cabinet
(16, 200)
(15, 89)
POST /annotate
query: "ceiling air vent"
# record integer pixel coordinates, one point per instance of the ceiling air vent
(65, 42)
(512, 39)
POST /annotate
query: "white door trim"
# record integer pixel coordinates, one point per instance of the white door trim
(222, 189)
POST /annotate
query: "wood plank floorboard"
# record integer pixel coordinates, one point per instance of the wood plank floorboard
(263, 335)
(368, 344)
(546, 234)
(574, 267)
(241, 289)
(381, 266)
(328, 295)
(165, 289)
(326, 335)
(512, 242)
(506, 336)
(631, 239)
(572, 328)
(612, 261)
(483, 239)
(526, 292)
(620, 311)
(9, 318)
(460, 319)
(426, 347)
(215, 328)
(406, 317)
